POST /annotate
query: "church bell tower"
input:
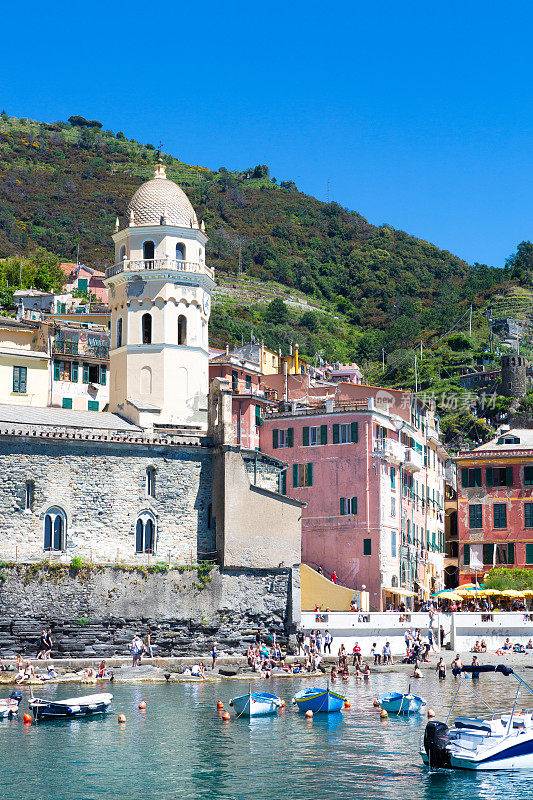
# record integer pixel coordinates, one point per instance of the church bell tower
(160, 297)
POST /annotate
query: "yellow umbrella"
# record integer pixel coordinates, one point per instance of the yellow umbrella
(489, 592)
(450, 596)
(528, 592)
(466, 586)
(512, 593)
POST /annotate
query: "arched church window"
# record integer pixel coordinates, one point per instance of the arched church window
(145, 534)
(119, 332)
(146, 328)
(150, 481)
(182, 329)
(180, 252)
(148, 250)
(29, 490)
(55, 529)
(146, 380)
(122, 253)
(394, 582)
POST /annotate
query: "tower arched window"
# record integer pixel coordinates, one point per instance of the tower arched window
(148, 250)
(146, 329)
(29, 491)
(145, 531)
(182, 329)
(150, 481)
(55, 529)
(122, 254)
(180, 252)
(119, 332)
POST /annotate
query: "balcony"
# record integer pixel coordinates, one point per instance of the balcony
(165, 264)
(68, 348)
(413, 460)
(390, 450)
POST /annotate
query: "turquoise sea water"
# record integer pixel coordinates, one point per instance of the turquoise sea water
(180, 748)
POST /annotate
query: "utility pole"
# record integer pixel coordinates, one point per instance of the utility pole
(421, 356)
(416, 375)
(240, 257)
(383, 359)
(470, 324)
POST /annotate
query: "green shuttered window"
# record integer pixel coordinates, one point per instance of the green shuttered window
(466, 555)
(528, 515)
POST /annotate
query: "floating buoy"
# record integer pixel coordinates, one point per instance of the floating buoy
(383, 714)
(283, 704)
(347, 704)
(220, 704)
(376, 704)
(27, 719)
(122, 718)
(226, 716)
(308, 713)
(142, 704)
(431, 713)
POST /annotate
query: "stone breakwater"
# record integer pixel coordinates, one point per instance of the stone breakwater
(95, 612)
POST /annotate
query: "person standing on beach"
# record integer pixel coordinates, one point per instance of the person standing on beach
(214, 655)
(43, 645)
(49, 643)
(328, 638)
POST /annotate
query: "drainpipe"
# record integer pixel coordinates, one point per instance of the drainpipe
(285, 383)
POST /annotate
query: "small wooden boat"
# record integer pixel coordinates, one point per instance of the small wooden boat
(9, 706)
(315, 699)
(72, 707)
(255, 704)
(398, 703)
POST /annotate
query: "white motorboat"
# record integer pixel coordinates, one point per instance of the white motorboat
(9, 706)
(256, 704)
(71, 707)
(502, 741)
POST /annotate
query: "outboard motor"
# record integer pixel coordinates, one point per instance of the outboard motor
(436, 739)
(16, 695)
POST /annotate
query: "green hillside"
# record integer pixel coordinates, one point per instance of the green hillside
(351, 290)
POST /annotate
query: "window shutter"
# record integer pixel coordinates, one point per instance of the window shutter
(103, 374)
(510, 553)
(466, 555)
(355, 432)
(488, 553)
(295, 474)
(23, 377)
(354, 505)
(489, 476)
(309, 474)
(15, 379)
(477, 476)
(275, 438)
(290, 437)
(47, 532)
(529, 553)
(74, 372)
(85, 373)
(342, 507)
(323, 434)
(336, 434)
(305, 437)
(57, 371)
(139, 536)
(508, 476)
(464, 477)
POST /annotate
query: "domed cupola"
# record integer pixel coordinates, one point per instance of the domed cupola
(160, 298)
(160, 201)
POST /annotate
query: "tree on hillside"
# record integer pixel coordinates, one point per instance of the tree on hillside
(276, 312)
(520, 263)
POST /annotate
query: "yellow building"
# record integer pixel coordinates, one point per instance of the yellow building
(24, 363)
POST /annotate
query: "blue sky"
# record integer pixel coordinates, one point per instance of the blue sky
(419, 114)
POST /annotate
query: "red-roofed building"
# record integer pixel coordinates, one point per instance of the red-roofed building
(83, 279)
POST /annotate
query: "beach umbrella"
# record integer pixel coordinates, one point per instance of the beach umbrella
(528, 592)
(490, 592)
(512, 593)
(450, 596)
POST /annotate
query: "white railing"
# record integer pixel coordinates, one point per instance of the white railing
(413, 460)
(150, 264)
(391, 450)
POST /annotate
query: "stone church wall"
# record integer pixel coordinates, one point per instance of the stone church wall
(102, 488)
(96, 612)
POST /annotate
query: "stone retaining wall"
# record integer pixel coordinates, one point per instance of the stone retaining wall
(97, 612)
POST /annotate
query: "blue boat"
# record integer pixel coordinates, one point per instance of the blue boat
(315, 699)
(256, 704)
(397, 703)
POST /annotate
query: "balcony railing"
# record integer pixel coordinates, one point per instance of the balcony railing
(413, 460)
(390, 450)
(67, 348)
(150, 264)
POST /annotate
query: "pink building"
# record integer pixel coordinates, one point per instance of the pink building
(249, 401)
(85, 279)
(370, 467)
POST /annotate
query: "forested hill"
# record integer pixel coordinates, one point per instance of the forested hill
(62, 185)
